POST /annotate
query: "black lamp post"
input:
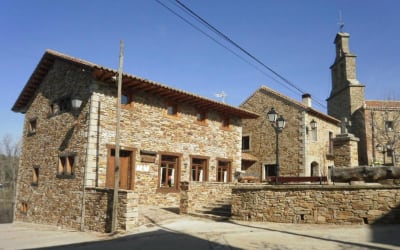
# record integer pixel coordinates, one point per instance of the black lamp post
(278, 123)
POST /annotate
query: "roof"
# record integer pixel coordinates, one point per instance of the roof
(298, 104)
(128, 82)
(382, 105)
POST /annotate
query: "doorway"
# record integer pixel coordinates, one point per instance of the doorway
(126, 173)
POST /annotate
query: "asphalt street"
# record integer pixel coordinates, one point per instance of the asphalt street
(185, 232)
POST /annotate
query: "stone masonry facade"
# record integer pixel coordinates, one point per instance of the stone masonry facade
(317, 204)
(301, 147)
(64, 175)
(48, 197)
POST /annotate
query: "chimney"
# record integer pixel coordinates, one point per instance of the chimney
(306, 100)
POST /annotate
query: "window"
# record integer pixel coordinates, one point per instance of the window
(269, 170)
(23, 208)
(66, 166)
(199, 170)
(32, 126)
(224, 171)
(330, 143)
(201, 117)
(35, 176)
(314, 134)
(225, 123)
(126, 99)
(60, 105)
(169, 171)
(389, 125)
(172, 109)
(246, 142)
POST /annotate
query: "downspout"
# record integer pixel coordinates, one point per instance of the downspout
(373, 138)
(83, 208)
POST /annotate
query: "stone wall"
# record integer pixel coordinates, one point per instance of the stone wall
(195, 195)
(145, 126)
(98, 213)
(346, 150)
(317, 204)
(52, 198)
(298, 149)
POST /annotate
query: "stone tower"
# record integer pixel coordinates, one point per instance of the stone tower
(347, 93)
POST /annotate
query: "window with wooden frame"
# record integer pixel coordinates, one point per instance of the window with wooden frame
(35, 176)
(172, 109)
(126, 99)
(225, 123)
(32, 125)
(23, 207)
(66, 166)
(201, 117)
(60, 105)
(199, 169)
(169, 172)
(224, 171)
(246, 142)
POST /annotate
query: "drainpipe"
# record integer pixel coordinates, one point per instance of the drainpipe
(83, 208)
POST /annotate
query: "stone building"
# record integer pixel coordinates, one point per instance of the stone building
(67, 160)
(375, 123)
(305, 144)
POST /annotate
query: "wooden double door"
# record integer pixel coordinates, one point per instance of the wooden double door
(126, 172)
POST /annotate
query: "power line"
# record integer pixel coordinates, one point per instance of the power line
(222, 45)
(286, 83)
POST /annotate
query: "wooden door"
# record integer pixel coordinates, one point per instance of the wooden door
(125, 173)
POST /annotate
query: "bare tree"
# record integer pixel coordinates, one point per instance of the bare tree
(387, 130)
(9, 159)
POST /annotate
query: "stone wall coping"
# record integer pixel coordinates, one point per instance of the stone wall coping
(373, 186)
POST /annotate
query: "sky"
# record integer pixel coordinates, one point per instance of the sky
(292, 37)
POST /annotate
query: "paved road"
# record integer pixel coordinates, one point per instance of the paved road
(183, 232)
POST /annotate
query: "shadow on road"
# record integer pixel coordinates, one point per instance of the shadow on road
(160, 239)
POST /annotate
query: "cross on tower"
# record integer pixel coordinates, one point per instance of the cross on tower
(341, 23)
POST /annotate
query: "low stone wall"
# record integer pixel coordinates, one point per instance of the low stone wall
(364, 204)
(195, 195)
(98, 210)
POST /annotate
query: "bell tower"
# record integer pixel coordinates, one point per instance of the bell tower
(347, 93)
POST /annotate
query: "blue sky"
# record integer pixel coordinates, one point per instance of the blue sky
(295, 38)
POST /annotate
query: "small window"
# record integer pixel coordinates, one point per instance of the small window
(224, 171)
(225, 123)
(314, 134)
(389, 125)
(269, 170)
(35, 176)
(201, 117)
(126, 99)
(172, 109)
(23, 207)
(199, 170)
(64, 104)
(330, 143)
(32, 126)
(246, 142)
(66, 166)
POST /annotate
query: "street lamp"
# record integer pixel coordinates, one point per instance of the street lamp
(278, 123)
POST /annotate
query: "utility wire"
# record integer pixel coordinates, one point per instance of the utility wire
(202, 21)
(222, 45)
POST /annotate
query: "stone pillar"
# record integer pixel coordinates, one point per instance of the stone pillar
(345, 150)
